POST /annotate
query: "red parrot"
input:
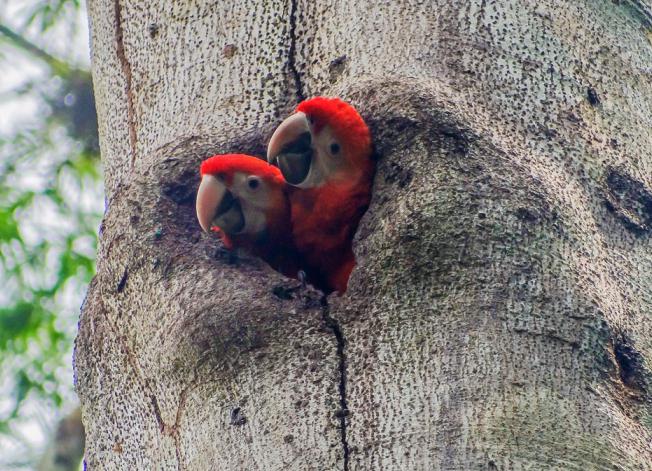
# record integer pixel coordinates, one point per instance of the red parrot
(324, 150)
(245, 200)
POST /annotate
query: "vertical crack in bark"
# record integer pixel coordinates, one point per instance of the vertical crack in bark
(177, 420)
(292, 53)
(157, 413)
(174, 430)
(169, 430)
(343, 412)
(126, 70)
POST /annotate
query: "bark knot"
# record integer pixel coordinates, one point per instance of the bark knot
(237, 417)
(630, 364)
(630, 200)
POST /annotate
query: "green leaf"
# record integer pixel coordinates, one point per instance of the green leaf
(46, 234)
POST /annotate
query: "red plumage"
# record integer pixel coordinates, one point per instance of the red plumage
(326, 215)
(274, 242)
(228, 164)
(345, 122)
(324, 222)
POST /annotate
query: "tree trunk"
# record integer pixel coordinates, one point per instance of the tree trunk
(499, 314)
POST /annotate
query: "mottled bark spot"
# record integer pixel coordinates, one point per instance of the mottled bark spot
(237, 417)
(630, 365)
(592, 96)
(123, 281)
(337, 67)
(153, 30)
(630, 200)
(229, 51)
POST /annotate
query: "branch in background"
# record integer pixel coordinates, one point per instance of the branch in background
(75, 104)
(66, 447)
(58, 67)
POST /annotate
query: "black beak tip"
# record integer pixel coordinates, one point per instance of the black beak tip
(295, 159)
(228, 215)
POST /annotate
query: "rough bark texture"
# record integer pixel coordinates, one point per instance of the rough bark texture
(499, 316)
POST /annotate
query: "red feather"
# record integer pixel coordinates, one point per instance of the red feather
(275, 245)
(324, 222)
(345, 122)
(326, 217)
(228, 164)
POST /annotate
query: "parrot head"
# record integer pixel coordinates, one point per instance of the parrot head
(241, 195)
(324, 140)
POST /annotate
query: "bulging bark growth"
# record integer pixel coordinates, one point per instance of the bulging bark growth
(498, 317)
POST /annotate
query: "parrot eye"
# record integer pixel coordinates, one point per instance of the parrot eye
(220, 177)
(253, 183)
(335, 148)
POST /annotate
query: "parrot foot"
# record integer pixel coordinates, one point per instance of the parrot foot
(230, 257)
(302, 277)
(283, 292)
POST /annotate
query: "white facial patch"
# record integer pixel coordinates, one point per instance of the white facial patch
(253, 201)
(325, 164)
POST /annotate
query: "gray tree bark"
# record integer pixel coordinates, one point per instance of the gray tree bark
(499, 314)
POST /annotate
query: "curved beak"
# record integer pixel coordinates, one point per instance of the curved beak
(216, 206)
(290, 148)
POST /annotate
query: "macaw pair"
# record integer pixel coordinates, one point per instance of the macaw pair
(298, 212)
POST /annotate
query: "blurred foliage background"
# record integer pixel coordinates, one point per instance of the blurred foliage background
(50, 207)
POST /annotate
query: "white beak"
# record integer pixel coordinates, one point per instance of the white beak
(288, 131)
(209, 195)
